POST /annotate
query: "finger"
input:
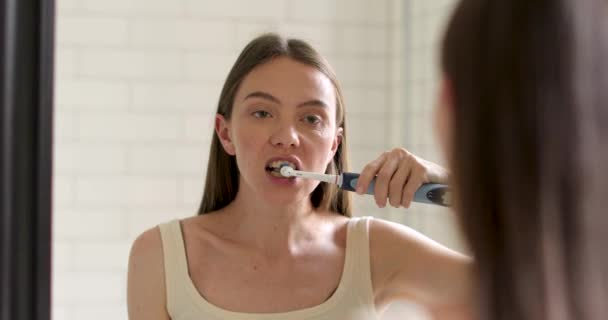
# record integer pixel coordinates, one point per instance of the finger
(383, 179)
(368, 173)
(414, 182)
(397, 184)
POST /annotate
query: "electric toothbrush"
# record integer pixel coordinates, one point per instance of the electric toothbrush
(431, 193)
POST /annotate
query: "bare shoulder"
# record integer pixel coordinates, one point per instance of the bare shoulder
(408, 264)
(387, 236)
(146, 282)
(147, 243)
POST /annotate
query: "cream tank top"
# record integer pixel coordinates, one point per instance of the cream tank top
(353, 299)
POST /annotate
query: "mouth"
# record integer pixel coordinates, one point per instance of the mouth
(274, 167)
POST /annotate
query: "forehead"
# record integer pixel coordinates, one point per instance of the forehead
(290, 81)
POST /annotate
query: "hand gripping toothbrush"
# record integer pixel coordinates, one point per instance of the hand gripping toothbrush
(431, 193)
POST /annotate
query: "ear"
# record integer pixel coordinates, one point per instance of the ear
(337, 141)
(222, 129)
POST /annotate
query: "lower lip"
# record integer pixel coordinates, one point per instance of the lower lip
(281, 181)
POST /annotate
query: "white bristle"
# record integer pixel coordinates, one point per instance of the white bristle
(287, 171)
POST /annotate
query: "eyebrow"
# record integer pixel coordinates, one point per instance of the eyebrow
(269, 97)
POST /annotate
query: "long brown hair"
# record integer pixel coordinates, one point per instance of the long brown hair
(222, 182)
(530, 92)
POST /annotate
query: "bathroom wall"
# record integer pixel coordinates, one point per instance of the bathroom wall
(426, 21)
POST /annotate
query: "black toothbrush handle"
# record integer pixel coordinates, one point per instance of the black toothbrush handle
(431, 193)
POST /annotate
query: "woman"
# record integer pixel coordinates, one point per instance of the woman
(267, 247)
(523, 124)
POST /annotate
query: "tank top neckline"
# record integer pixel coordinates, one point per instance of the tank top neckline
(345, 278)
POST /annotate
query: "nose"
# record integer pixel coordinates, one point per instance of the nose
(286, 135)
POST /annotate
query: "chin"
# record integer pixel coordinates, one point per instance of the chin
(284, 197)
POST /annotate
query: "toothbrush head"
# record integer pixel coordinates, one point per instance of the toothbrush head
(287, 171)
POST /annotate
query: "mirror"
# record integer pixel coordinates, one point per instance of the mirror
(137, 84)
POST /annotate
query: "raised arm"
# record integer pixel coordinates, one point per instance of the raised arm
(408, 265)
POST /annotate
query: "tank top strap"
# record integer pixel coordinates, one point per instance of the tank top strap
(175, 263)
(358, 248)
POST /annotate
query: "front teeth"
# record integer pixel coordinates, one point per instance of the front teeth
(277, 165)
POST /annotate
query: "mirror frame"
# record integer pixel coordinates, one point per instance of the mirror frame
(26, 126)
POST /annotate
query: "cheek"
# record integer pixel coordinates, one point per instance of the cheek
(247, 144)
(322, 144)
(246, 136)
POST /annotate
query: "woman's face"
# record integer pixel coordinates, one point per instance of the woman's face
(284, 112)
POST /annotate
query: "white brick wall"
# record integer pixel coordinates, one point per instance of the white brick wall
(426, 23)
(93, 31)
(136, 90)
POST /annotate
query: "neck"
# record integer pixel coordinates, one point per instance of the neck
(275, 229)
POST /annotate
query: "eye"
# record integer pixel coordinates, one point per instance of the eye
(261, 114)
(312, 119)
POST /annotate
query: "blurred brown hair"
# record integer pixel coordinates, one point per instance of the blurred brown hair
(530, 92)
(222, 182)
